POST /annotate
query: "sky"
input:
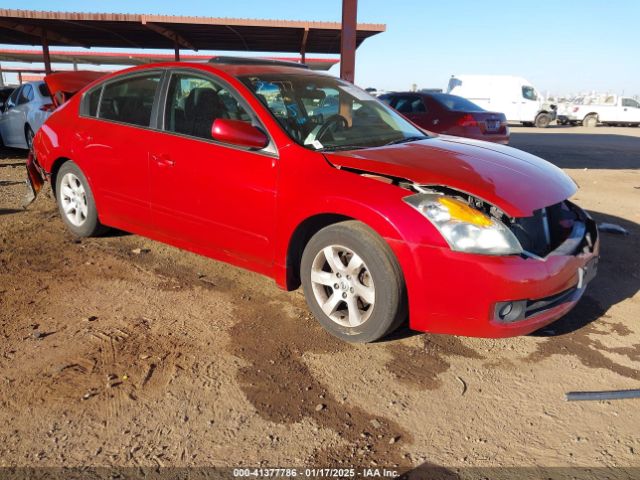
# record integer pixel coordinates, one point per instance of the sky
(560, 46)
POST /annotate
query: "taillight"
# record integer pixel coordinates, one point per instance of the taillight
(467, 121)
(48, 107)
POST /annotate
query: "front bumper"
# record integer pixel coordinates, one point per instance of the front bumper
(456, 293)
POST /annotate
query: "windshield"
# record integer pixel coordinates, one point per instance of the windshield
(324, 113)
(456, 103)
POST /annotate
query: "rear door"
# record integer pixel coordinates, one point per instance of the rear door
(113, 136)
(210, 195)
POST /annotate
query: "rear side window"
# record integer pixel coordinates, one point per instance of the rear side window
(130, 100)
(410, 104)
(26, 95)
(456, 103)
(529, 93)
(194, 102)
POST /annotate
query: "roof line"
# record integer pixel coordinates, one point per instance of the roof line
(138, 18)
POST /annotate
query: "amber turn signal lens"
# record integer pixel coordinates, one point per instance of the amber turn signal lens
(462, 212)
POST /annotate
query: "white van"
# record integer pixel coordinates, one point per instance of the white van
(513, 96)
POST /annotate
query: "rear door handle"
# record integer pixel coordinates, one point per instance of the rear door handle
(84, 137)
(163, 160)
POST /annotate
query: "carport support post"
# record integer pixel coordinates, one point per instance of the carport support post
(45, 53)
(348, 40)
(19, 78)
(176, 49)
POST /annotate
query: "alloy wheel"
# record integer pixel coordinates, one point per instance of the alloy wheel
(73, 199)
(343, 286)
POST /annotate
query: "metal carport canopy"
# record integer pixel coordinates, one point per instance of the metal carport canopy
(29, 27)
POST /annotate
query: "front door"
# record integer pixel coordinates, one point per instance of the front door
(213, 196)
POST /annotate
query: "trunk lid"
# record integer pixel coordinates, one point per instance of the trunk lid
(63, 85)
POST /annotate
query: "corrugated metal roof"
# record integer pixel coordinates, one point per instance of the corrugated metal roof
(117, 30)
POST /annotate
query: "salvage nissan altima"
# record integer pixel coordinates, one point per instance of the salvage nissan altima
(309, 180)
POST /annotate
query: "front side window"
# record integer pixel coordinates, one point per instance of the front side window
(195, 102)
(529, 93)
(13, 99)
(629, 102)
(325, 113)
(130, 100)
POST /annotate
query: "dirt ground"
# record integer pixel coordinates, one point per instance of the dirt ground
(113, 356)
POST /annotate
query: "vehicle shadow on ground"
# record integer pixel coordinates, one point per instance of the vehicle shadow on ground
(581, 150)
(618, 278)
(7, 153)
(9, 211)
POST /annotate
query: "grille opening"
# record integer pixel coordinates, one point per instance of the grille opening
(543, 232)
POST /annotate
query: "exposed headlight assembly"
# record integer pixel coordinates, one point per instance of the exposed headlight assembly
(463, 227)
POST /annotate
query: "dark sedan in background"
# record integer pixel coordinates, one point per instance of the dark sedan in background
(450, 115)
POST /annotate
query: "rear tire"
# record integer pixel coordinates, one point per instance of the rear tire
(590, 121)
(353, 283)
(75, 201)
(28, 135)
(543, 120)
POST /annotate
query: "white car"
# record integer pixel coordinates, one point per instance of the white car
(23, 114)
(516, 97)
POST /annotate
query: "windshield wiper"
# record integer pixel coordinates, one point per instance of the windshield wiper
(406, 140)
(335, 148)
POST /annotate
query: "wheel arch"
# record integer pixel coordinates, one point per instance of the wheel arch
(55, 168)
(288, 268)
(298, 240)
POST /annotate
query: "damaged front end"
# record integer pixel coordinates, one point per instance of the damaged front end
(35, 180)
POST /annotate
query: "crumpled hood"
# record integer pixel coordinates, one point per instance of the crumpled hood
(515, 181)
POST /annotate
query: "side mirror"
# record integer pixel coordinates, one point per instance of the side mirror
(238, 133)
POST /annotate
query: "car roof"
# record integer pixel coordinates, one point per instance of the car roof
(235, 70)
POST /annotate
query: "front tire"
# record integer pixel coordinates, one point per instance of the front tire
(75, 200)
(543, 120)
(353, 283)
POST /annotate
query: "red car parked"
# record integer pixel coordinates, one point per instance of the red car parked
(380, 222)
(450, 115)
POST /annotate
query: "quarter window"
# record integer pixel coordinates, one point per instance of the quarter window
(91, 102)
(130, 100)
(194, 103)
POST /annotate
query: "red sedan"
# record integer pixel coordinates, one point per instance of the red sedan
(450, 115)
(381, 223)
